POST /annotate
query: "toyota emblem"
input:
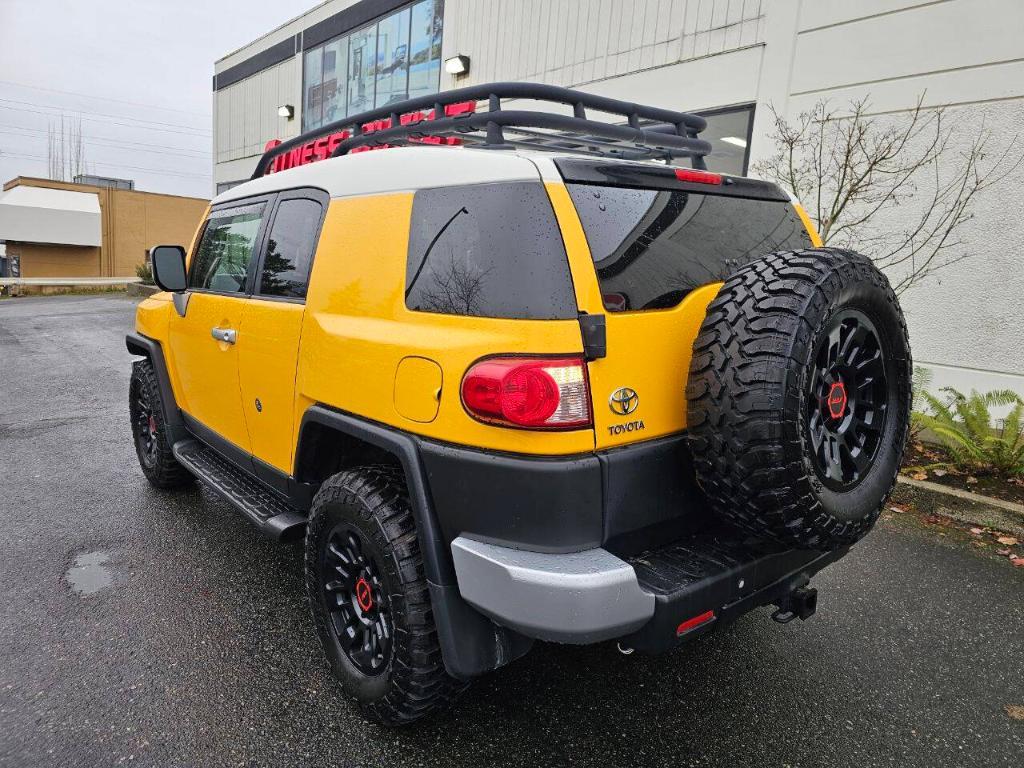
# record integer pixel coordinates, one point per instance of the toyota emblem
(623, 401)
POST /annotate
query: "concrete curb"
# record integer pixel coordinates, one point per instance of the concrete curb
(962, 506)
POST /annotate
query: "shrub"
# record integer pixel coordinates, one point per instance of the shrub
(145, 273)
(919, 383)
(964, 426)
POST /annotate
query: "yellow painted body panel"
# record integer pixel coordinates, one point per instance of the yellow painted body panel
(355, 346)
(357, 330)
(268, 351)
(418, 384)
(648, 352)
(203, 370)
(808, 225)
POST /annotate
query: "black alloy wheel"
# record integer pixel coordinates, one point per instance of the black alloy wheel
(798, 399)
(149, 432)
(846, 408)
(356, 601)
(145, 427)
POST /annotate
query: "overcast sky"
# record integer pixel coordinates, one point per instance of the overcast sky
(138, 74)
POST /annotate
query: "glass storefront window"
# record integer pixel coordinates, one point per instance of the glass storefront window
(729, 133)
(335, 79)
(362, 53)
(392, 63)
(425, 48)
(313, 89)
(399, 57)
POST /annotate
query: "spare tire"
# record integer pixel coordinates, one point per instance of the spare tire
(799, 397)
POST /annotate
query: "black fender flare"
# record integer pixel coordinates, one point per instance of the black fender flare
(471, 644)
(143, 346)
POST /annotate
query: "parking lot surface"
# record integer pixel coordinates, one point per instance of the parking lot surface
(148, 628)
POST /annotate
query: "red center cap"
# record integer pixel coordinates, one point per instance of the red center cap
(837, 400)
(363, 594)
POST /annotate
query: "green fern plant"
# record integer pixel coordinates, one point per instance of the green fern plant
(920, 381)
(963, 423)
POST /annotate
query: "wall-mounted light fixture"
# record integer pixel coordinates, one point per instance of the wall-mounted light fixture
(457, 65)
(286, 111)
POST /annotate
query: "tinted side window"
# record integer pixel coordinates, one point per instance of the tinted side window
(652, 247)
(488, 250)
(290, 248)
(222, 260)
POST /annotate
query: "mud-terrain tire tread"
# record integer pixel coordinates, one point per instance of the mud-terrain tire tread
(746, 423)
(166, 473)
(418, 683)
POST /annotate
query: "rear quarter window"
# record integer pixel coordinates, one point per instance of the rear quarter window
(653, 247)
(488, 250)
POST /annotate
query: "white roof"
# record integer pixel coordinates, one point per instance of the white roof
(395, 170)
(58, 216)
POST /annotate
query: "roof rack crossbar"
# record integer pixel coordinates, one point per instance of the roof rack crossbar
(674, 134)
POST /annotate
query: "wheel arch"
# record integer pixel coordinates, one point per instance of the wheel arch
(150, 349)
(471, 644)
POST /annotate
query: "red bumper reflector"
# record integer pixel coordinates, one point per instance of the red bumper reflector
(695, 622)
(698, 177)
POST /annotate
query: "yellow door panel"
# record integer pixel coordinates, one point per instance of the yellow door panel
(205, 369)
(267, 355)
(418, 389)
(648, 352)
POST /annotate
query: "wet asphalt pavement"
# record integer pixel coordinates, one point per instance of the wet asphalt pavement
(148, 628)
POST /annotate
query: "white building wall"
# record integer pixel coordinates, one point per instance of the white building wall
(966, 55)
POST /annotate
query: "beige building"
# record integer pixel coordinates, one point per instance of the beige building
(63, 229)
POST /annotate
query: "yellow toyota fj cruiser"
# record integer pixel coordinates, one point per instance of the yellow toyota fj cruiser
(521, 377)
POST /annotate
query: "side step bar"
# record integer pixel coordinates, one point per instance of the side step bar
(268, 511)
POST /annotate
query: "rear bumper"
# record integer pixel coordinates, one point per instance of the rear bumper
(578, 597)
(589, 596)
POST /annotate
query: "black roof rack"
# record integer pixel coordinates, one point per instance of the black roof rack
(649, 132)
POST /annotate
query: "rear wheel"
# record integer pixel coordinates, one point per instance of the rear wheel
(149, 432)
(799, 397)
(369, 597)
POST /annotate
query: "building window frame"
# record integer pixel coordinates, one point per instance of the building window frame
(342, 98)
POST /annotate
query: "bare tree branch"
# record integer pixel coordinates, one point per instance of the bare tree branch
(854, 167)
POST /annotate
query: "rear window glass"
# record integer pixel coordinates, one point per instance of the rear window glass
(488, 250)
(652, 247)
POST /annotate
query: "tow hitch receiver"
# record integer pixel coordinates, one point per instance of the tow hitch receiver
(801, 604)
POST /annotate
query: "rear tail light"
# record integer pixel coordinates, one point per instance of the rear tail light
(529, 392)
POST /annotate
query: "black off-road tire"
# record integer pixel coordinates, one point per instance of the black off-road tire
(756, 408)
(372, 502)
(152, 447)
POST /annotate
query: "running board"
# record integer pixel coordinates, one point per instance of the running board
(265, 509)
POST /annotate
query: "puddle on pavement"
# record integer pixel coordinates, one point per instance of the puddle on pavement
(89, 574)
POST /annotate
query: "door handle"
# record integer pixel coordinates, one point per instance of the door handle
(226, 335)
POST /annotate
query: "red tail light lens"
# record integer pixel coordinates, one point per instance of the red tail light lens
(698, 177)
(535, 393)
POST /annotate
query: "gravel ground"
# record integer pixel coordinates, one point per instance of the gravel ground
(160, 629)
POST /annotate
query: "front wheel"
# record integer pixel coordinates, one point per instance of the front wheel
(799, 397)
(370, 602)
(149, 432)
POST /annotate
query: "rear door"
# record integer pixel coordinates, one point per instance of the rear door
(203, 343)
(272, 319)
(658, 250)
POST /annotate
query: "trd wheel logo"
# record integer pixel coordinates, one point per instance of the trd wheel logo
(837, 400)
(364, 595)
(623, 401)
